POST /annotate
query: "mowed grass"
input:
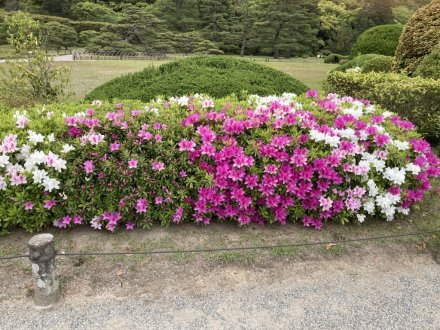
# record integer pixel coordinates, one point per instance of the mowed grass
(87, 75)
(311, 74)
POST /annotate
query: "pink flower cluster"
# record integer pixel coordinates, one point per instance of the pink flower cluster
(315, 175)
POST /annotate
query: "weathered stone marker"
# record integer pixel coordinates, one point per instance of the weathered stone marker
(42, 255)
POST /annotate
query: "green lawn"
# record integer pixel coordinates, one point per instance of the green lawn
(86, 75)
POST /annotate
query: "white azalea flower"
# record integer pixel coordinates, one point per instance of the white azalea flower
(3, 184)
(401, 145)
(51, 184)
(35, 138)
(395, 175)
(413, 168)
(67, 148)
(39, 175)
(4, 160)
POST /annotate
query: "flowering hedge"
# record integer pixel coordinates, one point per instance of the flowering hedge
(264, 160)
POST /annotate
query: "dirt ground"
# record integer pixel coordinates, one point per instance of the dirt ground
(192, 273)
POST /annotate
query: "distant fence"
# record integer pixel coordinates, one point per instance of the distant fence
(86, 56)
(112, 55)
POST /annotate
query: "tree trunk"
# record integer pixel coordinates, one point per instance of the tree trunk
(243, 44)
(276, 50)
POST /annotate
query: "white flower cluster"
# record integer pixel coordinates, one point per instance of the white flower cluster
(17, 163)
(317, 136)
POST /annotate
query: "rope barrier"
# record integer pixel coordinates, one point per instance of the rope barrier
(264, 247)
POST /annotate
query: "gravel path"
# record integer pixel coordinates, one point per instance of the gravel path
(375, 293)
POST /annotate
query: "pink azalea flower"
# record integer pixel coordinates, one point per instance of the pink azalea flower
(381, 139)
(177, 217)
(182, 174)
(49, 204)
(28, 206)
(141, 206)
(157, 166)
(132, 163)
(77, 220)
(88, 166)
(129, 226)
(158, 200)
(114, 146)
(186, 145)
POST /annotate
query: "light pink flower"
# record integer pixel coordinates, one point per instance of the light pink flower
(132, 163)
(88, 166)
(28, 206)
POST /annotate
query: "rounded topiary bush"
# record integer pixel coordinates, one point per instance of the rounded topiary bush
(335, 58)
(421, 35)
(193, 158)
(379, 63)
(382, 40)
(216, 76)
(430, 65)
(357, 62)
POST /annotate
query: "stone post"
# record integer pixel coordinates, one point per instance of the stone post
(42, 255)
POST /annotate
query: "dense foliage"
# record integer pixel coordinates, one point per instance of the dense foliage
(382, 40)
(430, 65)
(420, 36)
(417, 99)
(379, 63)
(357, 62)
(264, 160)
(216, 76)
(335, 58)
(270, 27)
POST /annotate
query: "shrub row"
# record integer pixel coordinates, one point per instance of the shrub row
(216, 76)
(263, 160)
(417, 99)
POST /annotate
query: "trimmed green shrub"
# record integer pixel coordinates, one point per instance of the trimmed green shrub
(358, 61)
(421, 35)
(216, 76)
(335, 58)
(380, 63)
(430, 66)
(382, 40)
(417, 99)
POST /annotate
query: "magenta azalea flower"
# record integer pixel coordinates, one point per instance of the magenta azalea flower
(141, 206)
(49, 204)
(186, 145)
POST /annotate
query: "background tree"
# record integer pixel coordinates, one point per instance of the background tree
(89, 11)
(35, 78)
(58, 36)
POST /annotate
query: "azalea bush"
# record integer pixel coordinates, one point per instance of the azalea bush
(263, 160)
